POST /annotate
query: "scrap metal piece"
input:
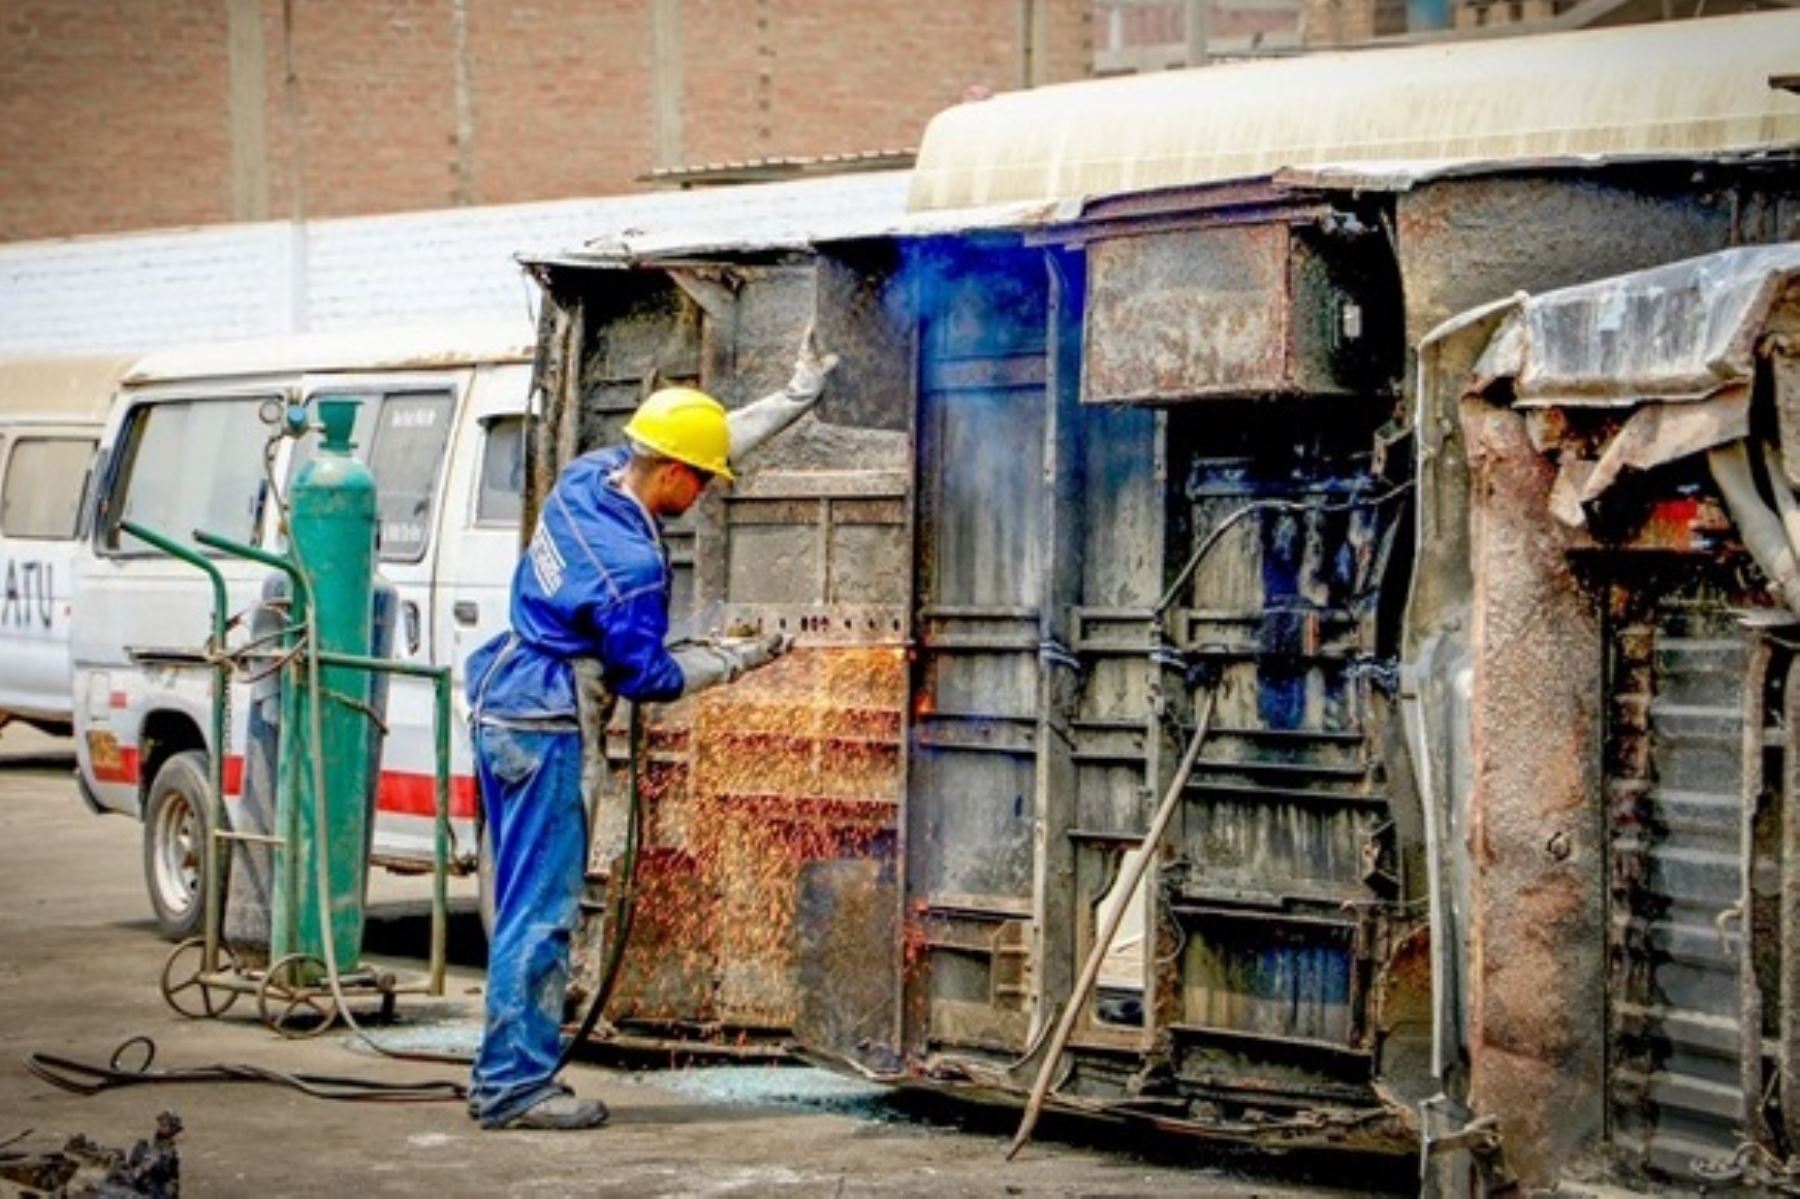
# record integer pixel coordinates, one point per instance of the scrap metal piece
(151, 1168)
(1653, 435)
(1673, 334)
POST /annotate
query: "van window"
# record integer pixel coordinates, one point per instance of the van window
(501, 499)
(402, 437)
(44, 476)
(191, 464)
(411, 435)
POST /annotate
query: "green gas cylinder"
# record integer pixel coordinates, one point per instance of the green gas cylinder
(332, 515)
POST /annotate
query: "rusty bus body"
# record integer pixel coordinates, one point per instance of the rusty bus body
(1484, 790)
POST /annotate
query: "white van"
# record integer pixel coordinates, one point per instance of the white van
(51, 411)
(442, 429)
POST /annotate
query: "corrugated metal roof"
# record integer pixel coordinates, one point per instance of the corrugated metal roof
(425, 347)
(77, 390)
(774, 217)
(781, 168)
(1672, 88)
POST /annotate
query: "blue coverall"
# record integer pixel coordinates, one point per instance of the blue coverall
(594, 583)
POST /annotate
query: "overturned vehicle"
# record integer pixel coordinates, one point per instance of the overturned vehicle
(1409, 545)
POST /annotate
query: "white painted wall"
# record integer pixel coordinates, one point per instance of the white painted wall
(137, 292)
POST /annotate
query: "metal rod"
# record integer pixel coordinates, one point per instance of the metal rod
(1127, 883)
(440, 850)
(212, 913)
(440, 856)
(350, 661)
(254, 838)
(361, 662)
(300, 601)
(239, 549)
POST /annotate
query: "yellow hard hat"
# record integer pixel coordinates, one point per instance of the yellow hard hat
(686, 425)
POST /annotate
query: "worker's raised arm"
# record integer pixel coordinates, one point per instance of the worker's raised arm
(755, 423)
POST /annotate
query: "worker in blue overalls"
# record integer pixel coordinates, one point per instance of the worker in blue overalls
(593, 584)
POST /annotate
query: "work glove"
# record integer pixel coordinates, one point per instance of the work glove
(753, 424)
(755, 652)
(811, 368)
(706, 664)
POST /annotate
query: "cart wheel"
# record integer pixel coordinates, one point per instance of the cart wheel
(181, 985)
(289, 1005)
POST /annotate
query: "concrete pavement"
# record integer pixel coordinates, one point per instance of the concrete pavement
(79, 962)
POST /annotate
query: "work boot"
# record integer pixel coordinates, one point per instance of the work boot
(560, 1113)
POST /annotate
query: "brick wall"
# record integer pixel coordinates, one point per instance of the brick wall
(119, 114)
(779, 77)
(375, 106)
(111, 115)
(560, 97)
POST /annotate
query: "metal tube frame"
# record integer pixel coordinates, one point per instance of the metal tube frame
(213, 914)
(221, 676)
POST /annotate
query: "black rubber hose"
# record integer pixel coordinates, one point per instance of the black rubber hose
(624, 901)
(85, 1078)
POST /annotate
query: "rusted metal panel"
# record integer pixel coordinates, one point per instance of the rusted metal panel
(1177, 315)
(1263, 982)
(865, 312)
(1051, 963)
(1537, 1049)
(1236, 306)
(1117, 746)
(1782, 960)
(847, 911)
(830, 566)
(1511, 643)
(1469, 242)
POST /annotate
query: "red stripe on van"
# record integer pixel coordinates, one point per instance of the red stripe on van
(402, 792)
(406, 794)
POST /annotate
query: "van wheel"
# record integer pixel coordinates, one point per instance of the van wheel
(175, 828)
(484, 877)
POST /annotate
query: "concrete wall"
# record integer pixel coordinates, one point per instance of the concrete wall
(124, 114)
